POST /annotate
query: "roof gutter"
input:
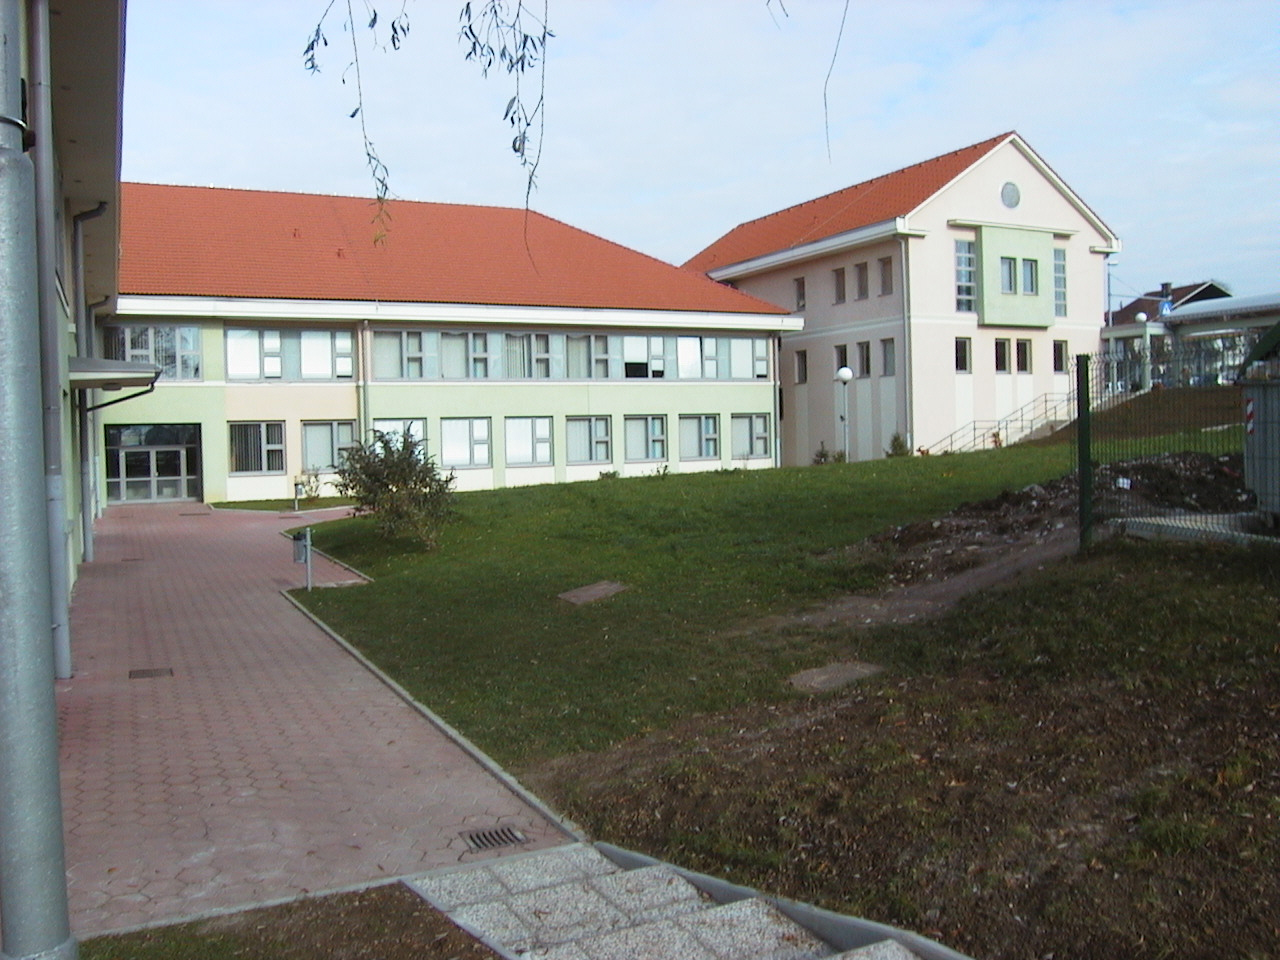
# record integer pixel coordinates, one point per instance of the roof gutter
(896, 227)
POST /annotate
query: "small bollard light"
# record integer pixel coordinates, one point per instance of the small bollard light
(298, 492)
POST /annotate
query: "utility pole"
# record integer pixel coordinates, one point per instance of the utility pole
(33, 884)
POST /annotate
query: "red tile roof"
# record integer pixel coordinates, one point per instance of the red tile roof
(872, 201)
(203, 241)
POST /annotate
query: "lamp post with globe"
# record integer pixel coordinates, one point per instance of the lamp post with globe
(843, 376)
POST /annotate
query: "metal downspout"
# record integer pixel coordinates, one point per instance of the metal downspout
(363, 420)
(51, 345)
(910, 358)
(33, 885)
(84, 347)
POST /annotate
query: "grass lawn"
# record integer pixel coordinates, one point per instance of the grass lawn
(475, 629)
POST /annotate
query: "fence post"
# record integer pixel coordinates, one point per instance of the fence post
(1084, 449)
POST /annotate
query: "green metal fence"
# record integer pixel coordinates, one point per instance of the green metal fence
(1161, 443)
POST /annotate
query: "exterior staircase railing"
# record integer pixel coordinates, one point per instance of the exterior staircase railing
(1033, 419)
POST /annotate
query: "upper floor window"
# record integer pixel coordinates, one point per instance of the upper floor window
(175, 350)
(799, 285)
(587, 357)
(1059, 282)
(1008, 274)
(838, 277)
(289, 354)
(861, 285)
(886, 276)
(644, 357)
(966, 276)
(802, 366)
(464, 355)
(1031, 277)
(400, 355)
(528, 356)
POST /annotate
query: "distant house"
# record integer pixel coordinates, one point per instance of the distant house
(520, 349)
(954, 292)
(1158, 303)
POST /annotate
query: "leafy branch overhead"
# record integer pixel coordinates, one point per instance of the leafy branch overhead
(508, 35)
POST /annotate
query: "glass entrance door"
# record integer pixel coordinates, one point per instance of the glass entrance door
(143, 467)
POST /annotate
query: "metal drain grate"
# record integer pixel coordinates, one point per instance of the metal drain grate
(150, 672)
(497, 837)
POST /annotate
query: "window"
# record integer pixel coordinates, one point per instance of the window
(860, 282)
(760, 359)
(964, 355)
(587, 357)
(325, 443)
(1060, 356)
(838, 276)
(802, 366)
(644, 357)
(464, 355)
(528, 441)
(799, 285)
(1059, 283)
(888, 357)
(700, 437)
(1008, 275)
(1022, 355)
(399, 354)
(528, 356)
(588, 439)
(646, 438)
(750, 435)
(254, 354)
(257, 447)
(1002, 356)
(886, 276)
(710, 358)
(864, 358)
(1031, 277)
(464, 442)
(966, 276)
(842, 356)
(417, 429)
(175, 350)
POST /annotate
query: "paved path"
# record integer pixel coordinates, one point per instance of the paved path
(271, 763)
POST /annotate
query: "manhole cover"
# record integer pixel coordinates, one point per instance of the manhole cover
(496, 837)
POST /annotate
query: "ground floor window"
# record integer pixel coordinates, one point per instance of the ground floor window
(416, 429)
(700, 437)
(528, 441)
(1059, 356)
(646, 438)
(750, 435)
(257, 447)
(588, 439)
(464, 442)
(325, 443)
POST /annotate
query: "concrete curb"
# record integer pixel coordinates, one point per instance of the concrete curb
(571, 830)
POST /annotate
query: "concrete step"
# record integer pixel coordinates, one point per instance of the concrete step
(573, 903)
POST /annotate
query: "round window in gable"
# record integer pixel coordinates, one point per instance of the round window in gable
(1010, 195)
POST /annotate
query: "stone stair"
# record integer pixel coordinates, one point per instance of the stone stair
(574, 903)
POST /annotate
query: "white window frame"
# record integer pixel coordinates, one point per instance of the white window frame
(655, 438)
(1031, 278)
(474, 433)
(1008, 274)
(966, 276)
(1059, 282)
(265, 446)
(700, 436)
(599, 443)
(750, 436)
(338, 436)
(528, 441)
(142, 343)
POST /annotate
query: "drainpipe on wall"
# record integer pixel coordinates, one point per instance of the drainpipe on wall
(363, 420)
(51, 345)
(33, 905)
(84, 348)
(908, 367)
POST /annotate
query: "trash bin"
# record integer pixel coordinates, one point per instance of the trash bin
(300, 546)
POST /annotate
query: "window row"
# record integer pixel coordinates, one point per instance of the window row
(1016, 276)
(840, 282)
(431, 355)
(259, 447)
(1021, 355)
(862, 359)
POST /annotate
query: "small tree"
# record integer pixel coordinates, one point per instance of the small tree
(393, 479)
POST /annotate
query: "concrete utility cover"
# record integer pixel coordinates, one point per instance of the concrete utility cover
(593, 591)
(833, 676)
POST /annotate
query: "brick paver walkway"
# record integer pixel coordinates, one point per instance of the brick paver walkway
(271, 763)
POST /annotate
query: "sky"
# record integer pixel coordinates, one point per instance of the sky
(668, 122)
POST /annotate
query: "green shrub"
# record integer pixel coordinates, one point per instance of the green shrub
(392, 479)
